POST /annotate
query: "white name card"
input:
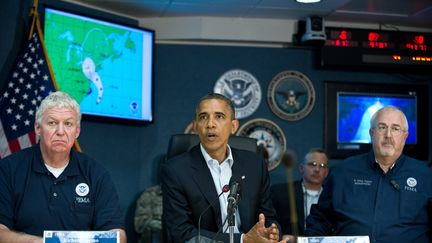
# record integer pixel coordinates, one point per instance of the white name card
(334, 239)
(81, 237)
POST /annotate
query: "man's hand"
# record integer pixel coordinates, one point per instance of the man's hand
(260, 234)
(289, 238)
(122, 235)
(7, 236)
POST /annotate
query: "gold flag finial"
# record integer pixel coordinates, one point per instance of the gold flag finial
(34, 13)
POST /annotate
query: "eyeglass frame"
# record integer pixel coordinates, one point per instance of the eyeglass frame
(315, 164)
(383, 128)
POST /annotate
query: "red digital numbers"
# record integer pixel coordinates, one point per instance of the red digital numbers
(416, 43)
(343, 35)
(377, 40)
(419, 39)
(373, 36)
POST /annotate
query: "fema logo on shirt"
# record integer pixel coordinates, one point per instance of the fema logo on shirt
(242, 88)
(411, 182)
(82, 189)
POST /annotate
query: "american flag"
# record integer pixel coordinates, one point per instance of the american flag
(29, 82)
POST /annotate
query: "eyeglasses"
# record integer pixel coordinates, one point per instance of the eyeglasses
(395, 130)
(315, 164)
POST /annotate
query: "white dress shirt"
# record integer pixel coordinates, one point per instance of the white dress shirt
(221, 174)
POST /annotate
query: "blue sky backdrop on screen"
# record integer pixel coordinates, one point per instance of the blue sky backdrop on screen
(356, 109)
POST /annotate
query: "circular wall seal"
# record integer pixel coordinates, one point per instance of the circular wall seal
(242, 88)
(269, 135)
(291, 95)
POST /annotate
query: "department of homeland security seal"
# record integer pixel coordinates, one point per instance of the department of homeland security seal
(242, 88)
(269, 135)
(291, 95)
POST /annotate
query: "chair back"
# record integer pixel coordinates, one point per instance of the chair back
(181, 143)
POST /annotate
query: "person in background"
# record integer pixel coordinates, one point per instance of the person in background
(382, 194)
(50, 186)
(148, 214)
(314, 170)
(192, 181)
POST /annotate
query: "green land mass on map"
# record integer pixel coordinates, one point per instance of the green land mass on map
(75, 40)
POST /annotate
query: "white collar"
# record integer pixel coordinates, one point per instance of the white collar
(229, 159)
(312, 193)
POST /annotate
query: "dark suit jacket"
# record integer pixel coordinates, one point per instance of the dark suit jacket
(188, 189)
(279, 196)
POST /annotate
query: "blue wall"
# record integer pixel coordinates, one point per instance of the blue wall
(183, 74)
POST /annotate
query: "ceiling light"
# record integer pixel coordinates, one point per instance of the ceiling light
(308, 1)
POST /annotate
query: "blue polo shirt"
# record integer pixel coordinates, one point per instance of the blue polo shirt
(32, 200)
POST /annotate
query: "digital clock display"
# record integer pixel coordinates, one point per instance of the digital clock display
(377, 48)
(377, 39)
(415, 42)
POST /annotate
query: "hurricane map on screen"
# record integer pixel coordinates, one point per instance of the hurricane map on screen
(355, 112)
(106, 67)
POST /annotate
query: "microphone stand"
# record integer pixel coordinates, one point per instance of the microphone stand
(288, 159)
(231, 223)
(292, 203)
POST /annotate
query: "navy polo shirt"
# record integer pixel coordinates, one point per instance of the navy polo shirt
(360, 199)
(32, 200)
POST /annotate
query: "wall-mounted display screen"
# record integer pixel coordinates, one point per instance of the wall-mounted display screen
(107, 67)
(355, 110)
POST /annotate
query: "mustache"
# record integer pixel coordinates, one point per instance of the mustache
(388, 141)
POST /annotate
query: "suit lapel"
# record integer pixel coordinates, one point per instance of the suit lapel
(204, 182)
(238, 170)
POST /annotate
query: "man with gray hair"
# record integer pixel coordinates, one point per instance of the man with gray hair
(50, 186)
(382, 194)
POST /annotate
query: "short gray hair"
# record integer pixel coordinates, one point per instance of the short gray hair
(374, 118)
(314, 150)
(58, 99)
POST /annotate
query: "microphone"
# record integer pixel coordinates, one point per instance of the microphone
(233, 197)
(225, 189)
(392, 181)
(289, 158)
(395, 185)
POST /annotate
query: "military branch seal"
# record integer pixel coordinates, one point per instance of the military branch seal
(291, 95)
(242, 88)
(269, 135)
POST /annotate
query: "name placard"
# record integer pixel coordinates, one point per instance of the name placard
(334, 239)
(81, 236)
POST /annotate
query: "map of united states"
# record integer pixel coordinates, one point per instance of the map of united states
(91, 61)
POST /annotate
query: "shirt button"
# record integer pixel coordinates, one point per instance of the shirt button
(55, 194)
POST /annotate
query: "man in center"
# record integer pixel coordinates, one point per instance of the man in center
(314, 170)
(191, 182)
